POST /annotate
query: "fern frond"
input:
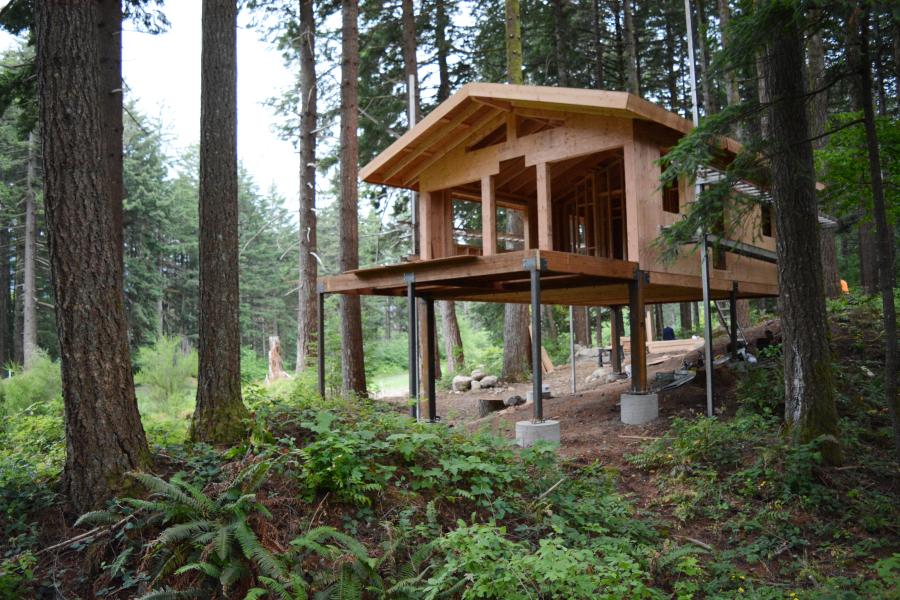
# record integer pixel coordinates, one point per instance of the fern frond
(177, 533)
(232, 573)
(206, 568)
(167, 490)
(268, 564)
(196, 493)
(97, 516)
(224, 536)
(168, 593)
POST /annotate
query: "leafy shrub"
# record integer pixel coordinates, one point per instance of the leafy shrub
(165, 370)
(253, 368)
(480, 562)
(37, 389)
(761, 391)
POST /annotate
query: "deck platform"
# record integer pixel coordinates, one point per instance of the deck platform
(567, 280)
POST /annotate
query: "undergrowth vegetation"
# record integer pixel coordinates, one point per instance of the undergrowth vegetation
(349, 499)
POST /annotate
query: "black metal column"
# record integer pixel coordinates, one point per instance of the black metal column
(536, 265)
(733, 308)
(413, 332)
(320, 340)
(431, 347)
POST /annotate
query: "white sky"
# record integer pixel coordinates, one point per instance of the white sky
(163, 73)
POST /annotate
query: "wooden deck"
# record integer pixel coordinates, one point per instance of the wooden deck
(568, 280)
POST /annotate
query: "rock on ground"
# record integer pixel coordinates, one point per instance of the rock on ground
(478, 374)
(461, 383)
(514, 401)
(489, 381)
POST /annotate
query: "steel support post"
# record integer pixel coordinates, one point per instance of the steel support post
(638, 323)
(572, 343)
(707, 324)
(320, 340)
(412, 331)
(536, 375)
(431, 348)
(732, 305)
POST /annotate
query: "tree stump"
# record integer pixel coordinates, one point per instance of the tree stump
(276, 361)
(487, 406)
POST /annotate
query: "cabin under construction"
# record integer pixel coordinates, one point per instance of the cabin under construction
(580, 169)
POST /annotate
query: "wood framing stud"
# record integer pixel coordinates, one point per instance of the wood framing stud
(489, 215)
(544, 210)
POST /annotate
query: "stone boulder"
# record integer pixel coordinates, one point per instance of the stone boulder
(490, 381)
(461, 383)
(476, 385)
(477, 375)
(514, 401)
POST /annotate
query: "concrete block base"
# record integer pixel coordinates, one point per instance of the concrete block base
(529, 396)
(638, 409)
(527, 433)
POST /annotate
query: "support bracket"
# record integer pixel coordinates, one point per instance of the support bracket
(646, 275)
(320, 288)
(531, 264)
(409, 278)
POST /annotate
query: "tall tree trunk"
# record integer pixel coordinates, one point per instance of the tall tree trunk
(220, 411)
(104, 435)
(861, 61)
(731, 85)
(671, 76)
(620, 46)
(809, 394)
(513, 43)
(868, 262)
(29, 290)
(352, 366)
(599, 47)
(632, 85)
(19, 301)
(450, 324)
(685, 312)
(109, 26)
(410, 63)
(548, 312)
(452, 339)
(658, 321)
(706, 81)
(516, 340)
(562, 71)
(307, 314)
(818, 113)
(4, 300)
(442, 46)
(579, 324)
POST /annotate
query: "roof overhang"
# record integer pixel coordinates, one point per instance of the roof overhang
(479, 107)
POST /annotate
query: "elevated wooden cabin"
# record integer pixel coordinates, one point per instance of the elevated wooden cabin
(580, 167)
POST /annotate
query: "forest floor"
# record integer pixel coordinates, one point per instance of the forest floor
(349, 499)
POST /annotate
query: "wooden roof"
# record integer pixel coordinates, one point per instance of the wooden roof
(477, 113)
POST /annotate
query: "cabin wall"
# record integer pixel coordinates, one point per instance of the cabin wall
(652, 215)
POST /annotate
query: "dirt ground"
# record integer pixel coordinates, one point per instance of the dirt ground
(590, 422)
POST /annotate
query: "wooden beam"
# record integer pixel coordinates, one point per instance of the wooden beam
(489, 215)
(432, 139)
(427, 224)
(493, 103)
(544, 210)
(478, 130)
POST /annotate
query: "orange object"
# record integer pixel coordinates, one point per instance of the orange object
(844, 287)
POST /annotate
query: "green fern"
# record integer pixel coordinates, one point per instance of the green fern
(208, 536)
